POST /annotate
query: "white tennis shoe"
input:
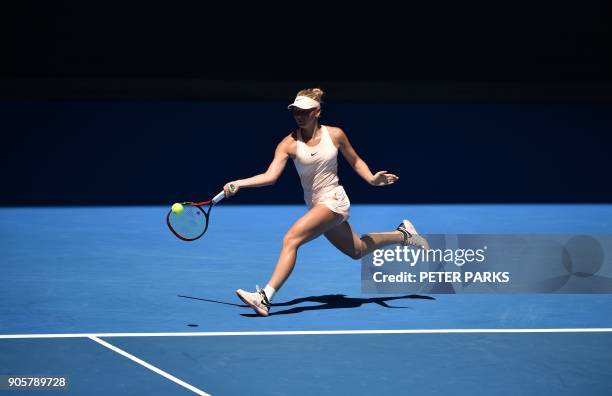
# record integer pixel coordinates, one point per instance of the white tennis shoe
(258, 300)
(411, 236)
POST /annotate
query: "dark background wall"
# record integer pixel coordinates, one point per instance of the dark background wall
(159, 152)
(418, 41)
(136, 103)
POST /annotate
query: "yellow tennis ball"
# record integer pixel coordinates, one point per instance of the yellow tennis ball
(177, 208)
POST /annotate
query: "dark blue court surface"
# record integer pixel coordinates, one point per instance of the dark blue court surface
(74, 275)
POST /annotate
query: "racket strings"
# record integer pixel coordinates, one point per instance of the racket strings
(190, 224)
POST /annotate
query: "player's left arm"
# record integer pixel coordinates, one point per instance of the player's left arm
(380, 178)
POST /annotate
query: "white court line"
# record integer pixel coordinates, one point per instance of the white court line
(311, 332)
(149, 366)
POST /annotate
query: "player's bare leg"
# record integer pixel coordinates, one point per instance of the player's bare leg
(349, 243)
(315, 222)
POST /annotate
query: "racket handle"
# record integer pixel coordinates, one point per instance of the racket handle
(221, 195)
(218, 197)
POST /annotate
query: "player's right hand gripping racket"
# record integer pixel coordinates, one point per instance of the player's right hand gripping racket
(192, 222)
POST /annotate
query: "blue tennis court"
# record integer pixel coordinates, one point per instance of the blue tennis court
(109, 298)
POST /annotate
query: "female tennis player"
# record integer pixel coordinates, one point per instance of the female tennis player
(314, 150)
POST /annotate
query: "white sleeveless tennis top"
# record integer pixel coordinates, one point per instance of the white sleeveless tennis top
(318, 170)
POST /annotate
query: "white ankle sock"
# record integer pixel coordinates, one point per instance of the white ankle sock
(269, 290)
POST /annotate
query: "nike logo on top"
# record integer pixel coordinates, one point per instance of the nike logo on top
(311, 154)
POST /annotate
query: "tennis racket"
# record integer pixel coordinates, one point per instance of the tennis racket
(192, 222)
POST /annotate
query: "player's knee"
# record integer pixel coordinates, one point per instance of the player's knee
(355, 254)
(358, 250)
(291, 240)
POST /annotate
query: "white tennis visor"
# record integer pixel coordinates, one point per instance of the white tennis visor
(304, 102)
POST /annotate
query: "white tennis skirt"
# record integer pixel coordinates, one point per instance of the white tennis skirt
(334, 198)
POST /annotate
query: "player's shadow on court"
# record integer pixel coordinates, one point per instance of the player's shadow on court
(329, 301)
